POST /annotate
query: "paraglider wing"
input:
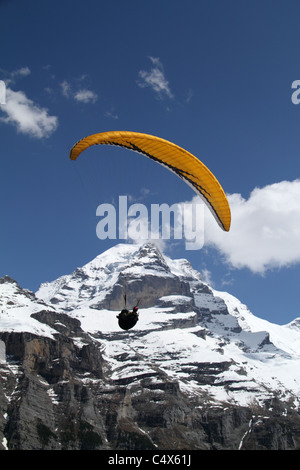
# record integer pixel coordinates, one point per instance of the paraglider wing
(175, 158)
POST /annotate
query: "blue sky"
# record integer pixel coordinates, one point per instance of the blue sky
(214, 77)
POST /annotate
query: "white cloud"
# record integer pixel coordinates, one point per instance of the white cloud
(265, 229)
(85, 96)
(155, 79)
(28, 117)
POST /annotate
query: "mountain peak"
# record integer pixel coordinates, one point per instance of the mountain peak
(103, 281)
(148, 258)
(149, 249)
(8, 280)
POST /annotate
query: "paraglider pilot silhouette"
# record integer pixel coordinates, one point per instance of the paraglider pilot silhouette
(128, 318)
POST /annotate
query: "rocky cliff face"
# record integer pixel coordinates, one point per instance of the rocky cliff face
(198, 371)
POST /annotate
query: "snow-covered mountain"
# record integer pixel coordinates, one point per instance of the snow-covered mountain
(206, 342)
(183, 323)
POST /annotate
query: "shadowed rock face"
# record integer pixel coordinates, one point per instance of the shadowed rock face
(63, 397)
(155, 282)
(150, 288)
(63, 387)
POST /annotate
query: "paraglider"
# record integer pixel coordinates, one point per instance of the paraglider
(180, 161)
(128, 318)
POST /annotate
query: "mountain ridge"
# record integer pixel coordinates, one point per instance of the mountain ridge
(193, 348)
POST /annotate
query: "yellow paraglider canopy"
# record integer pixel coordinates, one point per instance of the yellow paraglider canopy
(175, 158)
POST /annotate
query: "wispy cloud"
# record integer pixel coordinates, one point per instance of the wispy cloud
(28, 117)
(112, 113)
(155, 79)
(65, 88)
(265, 231)
(85, 96)
(82, 95)
(23, 72)
(189, 96)
(11, 77)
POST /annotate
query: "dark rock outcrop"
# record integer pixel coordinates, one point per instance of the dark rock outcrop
(62, 396)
